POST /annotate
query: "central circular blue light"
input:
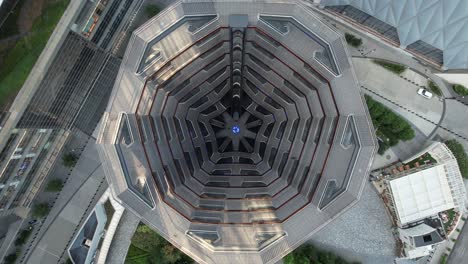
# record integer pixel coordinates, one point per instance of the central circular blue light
(235, 129)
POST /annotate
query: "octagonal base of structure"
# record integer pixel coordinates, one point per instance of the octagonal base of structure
(236, 129)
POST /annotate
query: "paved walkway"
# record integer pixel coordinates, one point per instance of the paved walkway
(84, 184)
(122, 238)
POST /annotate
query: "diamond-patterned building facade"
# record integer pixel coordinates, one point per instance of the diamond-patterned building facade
(422, 26)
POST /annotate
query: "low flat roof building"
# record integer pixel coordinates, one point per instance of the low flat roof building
(427, 190)
(421, 194)
(418, 241)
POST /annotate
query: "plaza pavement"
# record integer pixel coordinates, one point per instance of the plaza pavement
(363, 233)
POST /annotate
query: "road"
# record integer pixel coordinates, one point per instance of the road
(459, 253)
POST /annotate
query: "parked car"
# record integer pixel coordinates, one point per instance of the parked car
(425, 93)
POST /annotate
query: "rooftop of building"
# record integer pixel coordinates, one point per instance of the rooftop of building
(222, 177)
(421, 194)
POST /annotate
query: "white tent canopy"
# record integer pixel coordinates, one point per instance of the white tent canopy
(421, 194)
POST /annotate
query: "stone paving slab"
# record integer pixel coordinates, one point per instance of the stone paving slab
(363, 233)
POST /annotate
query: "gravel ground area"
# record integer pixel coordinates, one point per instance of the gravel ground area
(363, 233)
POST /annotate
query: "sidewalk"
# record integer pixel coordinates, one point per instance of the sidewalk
(77, 179)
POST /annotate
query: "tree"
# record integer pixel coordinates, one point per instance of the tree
(459, 152)
(151, 10)
(353, 40)
(460, 89)
(54, 185)
(22, 237)
(160, 251)
(40, 210)
(391, 128)
(308, 254)
(10, 259)
(69, 160)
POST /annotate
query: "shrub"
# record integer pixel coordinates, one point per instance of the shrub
(40, 210)
(10, 259)
(391, 128)
(69, 160)
(149, 247)
(22, 237)
(54, 185)
(308, 254)
(434, 88)
(395, 68)
(460, 154)
(353, 40)
(443, 259)
(151, 10)
(460, 89)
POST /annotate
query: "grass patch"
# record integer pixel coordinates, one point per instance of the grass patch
(434, 88)
(10, 28)
(22, 57)
(391, 128)
(353, 40)
(148, 246)
(136, 255)
(393, 67)
(309, 254)
(109, 209)
(426, 158)
(460, 154)
(443, 259)
(460, 89)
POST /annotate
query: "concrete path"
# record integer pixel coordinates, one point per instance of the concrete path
(122, 238)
